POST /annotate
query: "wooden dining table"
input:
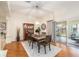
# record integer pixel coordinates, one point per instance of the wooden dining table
(38, 37)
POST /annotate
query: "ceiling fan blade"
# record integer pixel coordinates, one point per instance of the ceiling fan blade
(28, 1)
(47, 11)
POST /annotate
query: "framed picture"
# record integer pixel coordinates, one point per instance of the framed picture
(2, 26)
(43, 26)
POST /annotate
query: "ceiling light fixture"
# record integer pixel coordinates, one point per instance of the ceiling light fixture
(28, 1)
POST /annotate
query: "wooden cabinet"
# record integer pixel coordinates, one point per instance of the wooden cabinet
(28, 28)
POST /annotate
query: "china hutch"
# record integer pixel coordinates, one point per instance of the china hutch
(28, 28)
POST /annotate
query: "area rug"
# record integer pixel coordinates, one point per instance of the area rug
(34, 52)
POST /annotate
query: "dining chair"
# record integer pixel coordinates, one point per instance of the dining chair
(45, 42)
(31, 40)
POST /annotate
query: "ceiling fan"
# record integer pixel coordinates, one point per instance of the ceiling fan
(28, 1)
(38, 6)
(35, 4)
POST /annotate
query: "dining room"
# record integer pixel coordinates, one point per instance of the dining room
(30, 28)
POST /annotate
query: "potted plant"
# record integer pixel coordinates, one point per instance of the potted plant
(2, 33)
(38, 30)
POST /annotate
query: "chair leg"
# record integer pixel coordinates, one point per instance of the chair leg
(29, 43)
(38, 48)
(32, 45)
(49, 47)
(45, 49)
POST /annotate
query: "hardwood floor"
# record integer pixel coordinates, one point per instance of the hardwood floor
(15, 49)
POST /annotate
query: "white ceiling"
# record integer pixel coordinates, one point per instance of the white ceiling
(57, 9)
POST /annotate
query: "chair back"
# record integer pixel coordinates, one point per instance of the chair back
(29, 36)
(48, 38)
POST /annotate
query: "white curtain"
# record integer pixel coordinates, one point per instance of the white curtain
(51, 28)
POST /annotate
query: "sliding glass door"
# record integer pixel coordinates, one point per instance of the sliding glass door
(67, 32)
(73, 34)
(61, 32)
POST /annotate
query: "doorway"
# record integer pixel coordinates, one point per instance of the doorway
(67, 32)
(61, 32)
(73, 32)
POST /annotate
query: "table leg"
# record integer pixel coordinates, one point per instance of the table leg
(38, 48)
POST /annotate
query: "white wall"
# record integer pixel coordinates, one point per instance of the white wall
(16, 21)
